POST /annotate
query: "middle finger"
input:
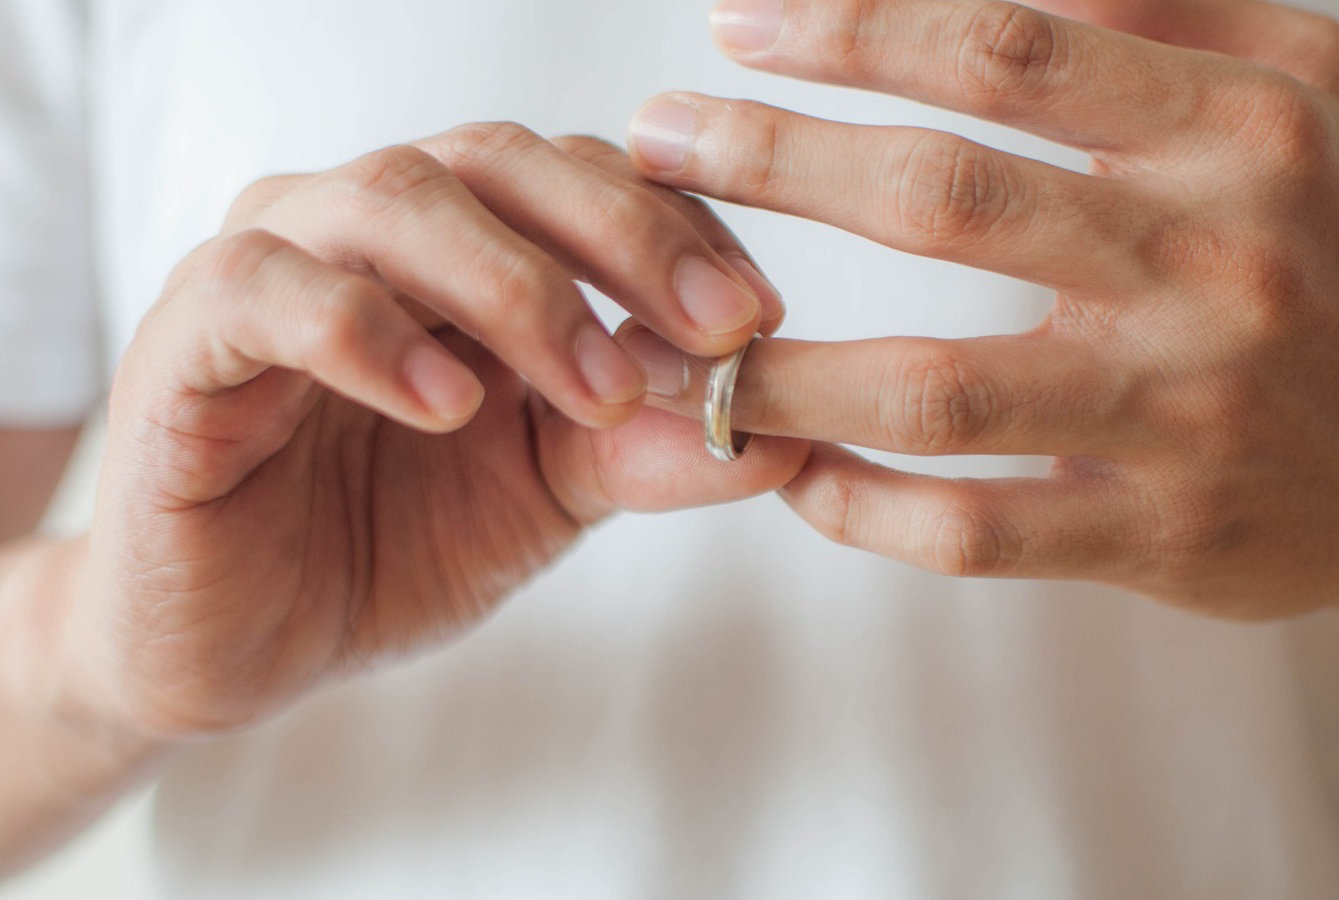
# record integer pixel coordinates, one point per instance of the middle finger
(1085, 86)
(925, 192)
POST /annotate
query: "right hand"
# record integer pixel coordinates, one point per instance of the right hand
(313, 461)
(1186, 378)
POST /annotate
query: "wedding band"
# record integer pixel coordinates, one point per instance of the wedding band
(721, 441)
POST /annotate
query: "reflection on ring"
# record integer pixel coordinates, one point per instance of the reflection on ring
(721, 440)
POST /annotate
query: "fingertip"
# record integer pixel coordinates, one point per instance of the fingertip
(769, 327)
(745, 27)
(594, 381)
(769, 298)
(722, 306)
(661, 134)
(449, 393)
(668, 375)
(827, 469)
(613, 376)
(614, 380)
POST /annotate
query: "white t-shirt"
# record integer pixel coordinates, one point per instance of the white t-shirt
(714, 703)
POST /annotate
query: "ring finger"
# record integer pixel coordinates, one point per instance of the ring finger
(1033, 394)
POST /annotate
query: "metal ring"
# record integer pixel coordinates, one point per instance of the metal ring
(721, 441)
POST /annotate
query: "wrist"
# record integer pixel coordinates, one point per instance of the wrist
(65, 757)
(53, 667)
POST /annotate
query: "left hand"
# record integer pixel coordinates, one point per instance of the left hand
(364, 414)
(1187, 379)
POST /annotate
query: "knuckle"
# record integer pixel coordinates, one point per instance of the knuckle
(1206, 413)
(1284, 127)
(588, 148)
(1193, 527)
(343, 322)
(1177, 248)
(258, 196)
(836, 509)
(523, 285)
(1006, 50)
(847, 45)
(480, 144)
(635, 219)
(1263, 278)
(965, 540)
(382, 179)
(233, 264)
(950, 192)
(932, 404)
(757, 164)
(1272, 278)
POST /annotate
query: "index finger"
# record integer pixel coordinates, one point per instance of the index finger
(1085, 86)
(614, 234)
(614, 160)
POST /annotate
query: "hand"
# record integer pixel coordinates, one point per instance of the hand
(310, 470)
(1187, 379)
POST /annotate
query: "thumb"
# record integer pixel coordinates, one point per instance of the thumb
(656, 462)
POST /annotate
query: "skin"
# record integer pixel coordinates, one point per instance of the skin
(1186, 380)
(312, 469)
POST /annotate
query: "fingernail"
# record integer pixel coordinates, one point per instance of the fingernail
(773, 308)
(666, 368)
(747, 26)
(609, 372)
(662, 134)
(711, 298)
(439, 385)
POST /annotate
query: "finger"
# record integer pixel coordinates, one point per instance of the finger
(247, 303)
(1066, 526)
(654, 463)
(268, 303)
(1030, 394)
(400, 214)
(615, 161)
(257, 197)
(618, 236)
(1300, 42)
(1084, 86)
(925, 192)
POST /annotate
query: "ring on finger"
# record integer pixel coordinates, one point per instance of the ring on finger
(722, 441)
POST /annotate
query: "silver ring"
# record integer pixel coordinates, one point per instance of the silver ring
(721, 440)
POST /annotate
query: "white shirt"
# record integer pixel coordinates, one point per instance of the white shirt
(714, 703)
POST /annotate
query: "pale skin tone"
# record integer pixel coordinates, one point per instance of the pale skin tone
(312, 469)
(1186, 380)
